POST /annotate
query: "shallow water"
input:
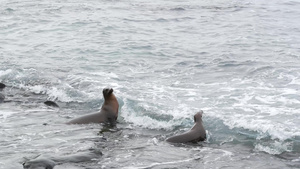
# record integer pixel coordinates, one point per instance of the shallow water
(237, 61)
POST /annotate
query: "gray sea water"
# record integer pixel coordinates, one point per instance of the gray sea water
(238, 61)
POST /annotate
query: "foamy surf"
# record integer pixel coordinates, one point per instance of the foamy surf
(165, 61)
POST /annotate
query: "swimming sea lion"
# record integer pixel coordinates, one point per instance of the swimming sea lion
(108, 112)
(196, 134)
(40, 163)
(49, 162)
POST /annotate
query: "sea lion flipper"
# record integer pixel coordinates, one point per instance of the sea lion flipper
(112, 121)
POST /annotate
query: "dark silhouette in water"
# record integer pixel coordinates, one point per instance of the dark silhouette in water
(2, 86)
(2, 97)
(51, 103)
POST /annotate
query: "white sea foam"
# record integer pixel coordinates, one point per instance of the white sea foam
(153, 117)
(5, 72)
(274, 147)
(170, 58)
(59, 94)
(261, 125)
(38, 89)
(145, 121)
(159, 164)
(4, 114)
(214, 155)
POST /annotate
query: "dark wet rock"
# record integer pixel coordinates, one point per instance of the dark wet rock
(51, 103)
(2, 86)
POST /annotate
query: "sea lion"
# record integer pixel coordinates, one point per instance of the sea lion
(108, 112)
(40, 163)
(48, 162)
(196, 134)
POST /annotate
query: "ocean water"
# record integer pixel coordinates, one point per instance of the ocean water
(238, 61)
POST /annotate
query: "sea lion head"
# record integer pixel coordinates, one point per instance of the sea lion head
(198, 116)
(39, 164)
(107, 92)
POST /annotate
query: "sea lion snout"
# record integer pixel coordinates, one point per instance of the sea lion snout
(198, 116)
(107, 91)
